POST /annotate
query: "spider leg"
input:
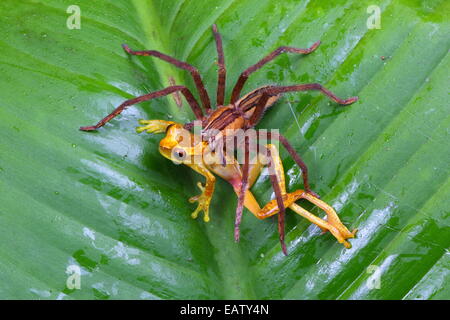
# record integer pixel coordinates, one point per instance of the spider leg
(280, 190)
(276, 90)
(180, 64)
(244, 75)
(243, 189)
(222, 71)
(259, 110)
(185, 91)
(272, 91)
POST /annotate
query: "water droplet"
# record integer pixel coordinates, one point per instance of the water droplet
(74, 145)
(56, 193)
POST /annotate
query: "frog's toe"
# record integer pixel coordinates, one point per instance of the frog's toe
(194, 199)
(194, 214)
(203, 205)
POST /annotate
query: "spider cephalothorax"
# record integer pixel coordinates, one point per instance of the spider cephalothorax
(200, 152)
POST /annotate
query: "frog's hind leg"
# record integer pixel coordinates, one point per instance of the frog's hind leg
(337, 229)
(333, 223)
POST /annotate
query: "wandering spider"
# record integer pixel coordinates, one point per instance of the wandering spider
(219, 124)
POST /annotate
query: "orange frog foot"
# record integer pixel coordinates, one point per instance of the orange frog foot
(203, 203)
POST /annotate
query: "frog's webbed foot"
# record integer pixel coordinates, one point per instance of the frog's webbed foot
(203, 200)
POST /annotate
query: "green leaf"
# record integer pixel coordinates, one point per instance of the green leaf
(109, 203)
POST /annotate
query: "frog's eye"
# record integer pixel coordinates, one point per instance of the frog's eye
(179, 154)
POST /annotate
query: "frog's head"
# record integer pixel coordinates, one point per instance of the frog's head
(179, 145)
(176, 145)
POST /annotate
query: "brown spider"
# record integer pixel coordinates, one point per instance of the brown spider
(241, 113)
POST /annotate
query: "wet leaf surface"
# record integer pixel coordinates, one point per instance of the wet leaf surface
(110, 204)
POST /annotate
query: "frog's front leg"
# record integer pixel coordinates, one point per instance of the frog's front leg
(179, 146)
(154, 126)
(203, 199)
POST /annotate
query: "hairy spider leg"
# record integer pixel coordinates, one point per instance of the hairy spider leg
(246, 73)
(185, 91)
(269, 92)
(243, 188)
(277, 90)
(278, 184)
(180, 64)
(222, 72)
